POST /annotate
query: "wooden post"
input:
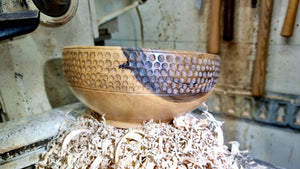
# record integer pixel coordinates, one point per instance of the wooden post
(259, 67)
(228, 20)
(290, 17)
(213, 45)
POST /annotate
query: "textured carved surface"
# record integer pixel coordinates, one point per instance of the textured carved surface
(131, 85)
(163, 73)
(98, 71)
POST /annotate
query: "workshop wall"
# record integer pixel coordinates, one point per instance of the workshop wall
(284, 54)
(31, 78)
(176, 24)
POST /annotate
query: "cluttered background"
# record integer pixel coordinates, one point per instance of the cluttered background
(257, 95)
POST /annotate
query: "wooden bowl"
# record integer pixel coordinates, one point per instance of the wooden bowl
(131, 85)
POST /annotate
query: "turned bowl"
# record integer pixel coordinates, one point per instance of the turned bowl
(132, 85)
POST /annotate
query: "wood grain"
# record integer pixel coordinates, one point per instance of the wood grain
(290, 17)
(213, 45)
(130, 85)
(259, 67)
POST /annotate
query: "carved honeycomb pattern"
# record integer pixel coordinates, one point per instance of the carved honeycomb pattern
(138, 72)
(98, 71)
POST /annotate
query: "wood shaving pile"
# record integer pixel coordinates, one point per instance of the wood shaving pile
(188, 142)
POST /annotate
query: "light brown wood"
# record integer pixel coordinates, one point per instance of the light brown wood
(290, 17)
(213, 45)
(259, 68)
(132, 85)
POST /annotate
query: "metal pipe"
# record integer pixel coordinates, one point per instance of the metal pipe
(27, 137)
(116, 13)
(17, 133)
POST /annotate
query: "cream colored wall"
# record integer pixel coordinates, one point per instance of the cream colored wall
(284, 54)
(176, 24)
(31, 79)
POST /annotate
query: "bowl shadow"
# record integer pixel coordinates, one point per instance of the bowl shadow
(56, 87)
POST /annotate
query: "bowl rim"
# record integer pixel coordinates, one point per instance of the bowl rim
(144, 49)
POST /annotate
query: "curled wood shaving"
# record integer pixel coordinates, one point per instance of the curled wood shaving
(96, 162)
(70, 136)
(133, 135)
(188, 142)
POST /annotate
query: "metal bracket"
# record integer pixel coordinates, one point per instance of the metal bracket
(274, 108)
(278, 112)
(18, 23)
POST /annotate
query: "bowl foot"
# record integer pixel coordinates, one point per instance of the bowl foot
(122, 124)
